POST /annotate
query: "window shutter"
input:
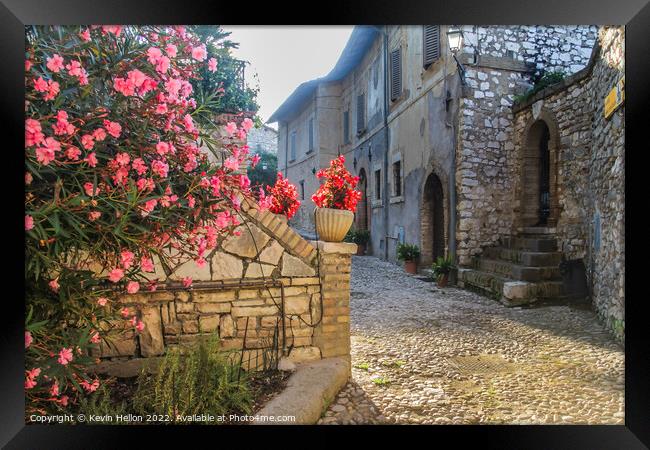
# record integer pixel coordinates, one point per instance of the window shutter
(293, 146)
(431, 44)
(346, 127)
(395, 73)
(361, 110)
(311, 134)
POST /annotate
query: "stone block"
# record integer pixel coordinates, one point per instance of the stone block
(118, 344)
(151, 338)
(208, 323)
(225, 266)
(259, 270)
(191, 269)
(295, 267)
(253, 311)
(213, 308)
(226, 326)
(296, 305)
(346, 248)
(251, 240)
(303, 354)
(271, 254)
(213, 296)
(190, 326)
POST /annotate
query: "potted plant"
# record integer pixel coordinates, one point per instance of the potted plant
(409, 253)
(336, 200)
(441, 269)
(284, 198)
(359, 237)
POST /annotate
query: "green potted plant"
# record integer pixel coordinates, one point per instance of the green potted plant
(336, 200)
(409, 253)
(359, 237)
(441, 269)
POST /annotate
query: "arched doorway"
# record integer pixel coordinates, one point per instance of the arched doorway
(539, 198)
(432, 220)
(362, 219)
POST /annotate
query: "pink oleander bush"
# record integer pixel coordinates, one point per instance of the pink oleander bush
(115, 184)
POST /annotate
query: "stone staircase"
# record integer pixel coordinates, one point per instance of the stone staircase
(522, 269)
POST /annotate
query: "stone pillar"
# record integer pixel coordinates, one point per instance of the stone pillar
(332, 335)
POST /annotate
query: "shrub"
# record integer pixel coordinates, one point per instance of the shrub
(407, 252)
(196, 380)
(114, 181)
(338, 190)
(545, 80)
(357, 236)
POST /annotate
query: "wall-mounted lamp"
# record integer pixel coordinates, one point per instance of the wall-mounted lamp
(369, 153)
(313, 170)
(354, 163)
(455, 42)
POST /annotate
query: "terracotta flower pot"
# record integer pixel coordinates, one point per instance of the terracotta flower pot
(333, 224)
(361, 249)
(411, 267)
(443, 280)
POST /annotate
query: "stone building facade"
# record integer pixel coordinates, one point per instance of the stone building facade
(262, 139)
(266, 281)
(449, 160)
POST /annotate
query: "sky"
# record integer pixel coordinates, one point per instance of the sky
(285, 56)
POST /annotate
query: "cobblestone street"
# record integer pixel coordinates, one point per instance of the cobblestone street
(447, 356)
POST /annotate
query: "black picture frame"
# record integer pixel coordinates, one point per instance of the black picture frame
(14, 14)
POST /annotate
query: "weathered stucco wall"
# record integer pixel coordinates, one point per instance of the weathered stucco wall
(239, 297)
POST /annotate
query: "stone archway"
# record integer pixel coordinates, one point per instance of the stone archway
(539, 192)
(432, 220)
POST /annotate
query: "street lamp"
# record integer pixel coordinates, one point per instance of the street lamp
(455, 42)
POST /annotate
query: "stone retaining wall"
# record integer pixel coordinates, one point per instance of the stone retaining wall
(238, 296)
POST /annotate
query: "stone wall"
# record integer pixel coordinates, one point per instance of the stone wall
(239, 297)
(590, 172)
(263, 139)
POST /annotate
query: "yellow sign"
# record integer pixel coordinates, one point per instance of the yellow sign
(615, 98)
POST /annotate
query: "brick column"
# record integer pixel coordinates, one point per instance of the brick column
(332, 335)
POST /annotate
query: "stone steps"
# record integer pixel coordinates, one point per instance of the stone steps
(517, 271)
(530, 244)
(508, 291)
(523, 257)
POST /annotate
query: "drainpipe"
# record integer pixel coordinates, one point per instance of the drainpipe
(386, 95)
(452, 193)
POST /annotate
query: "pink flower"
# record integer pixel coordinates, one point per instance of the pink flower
(171, 50)
(65, 356)
(122, 159)
(29, 223)
(187, 282)
(154, 55)
(148, 207)
(212, 65)
(91, 189)
(139, 166)
(55, 63)
(99, 134)
(54, 285)
(28, 64)
(54, 390)
(28, 178)
(255, 159)
(33, 133)
(73, 153)
(146, 264)
(30, 376)
(231, 127)
(40, 84)
(75, 70)
(116, 275)
(101, 301)
(87, 141)
(160, 168)
(126, 258)
(85, 35)
(125, 312)
(162, 66)
(247, 124)
(115, 29)
(140, 326)
(52, 90)
(161, 108)
(136, 77)
(199, 53)
(189, 123)
(90, 387)
(28, 339)
(91, 159)
(94, 215)
(95, 338)
(113, 128)
(173, 86)
(162, 148)
(231, 163)
(200, 263)
(132, 287)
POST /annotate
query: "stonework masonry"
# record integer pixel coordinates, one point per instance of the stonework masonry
(238, 297)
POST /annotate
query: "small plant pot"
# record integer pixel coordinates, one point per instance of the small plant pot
(442, 280)
(361, 249)
(411, 267)
(333, 224)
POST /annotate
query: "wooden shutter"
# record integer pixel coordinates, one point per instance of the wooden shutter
(395, 73)
(361, 112)
(293, 146)
(346, 127)
(311, 134)
(431, 44)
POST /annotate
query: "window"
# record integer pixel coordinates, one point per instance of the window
(397, 178)
(302, 189)
(293, 146)
(311, 135)
(361, 113)
(395, 74)
(431, 44)
(378, 184)
(346, 127)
